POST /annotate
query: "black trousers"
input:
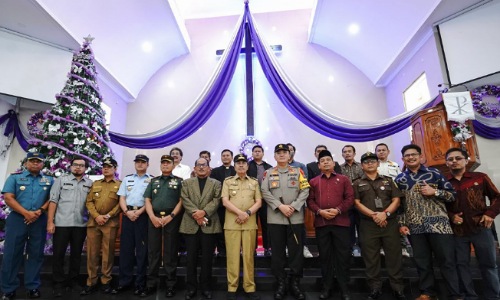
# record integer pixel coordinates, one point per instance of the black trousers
(167, 238)
(334, 254)
(64, 236)
(220, 242)
(282, 237)
(134, 250)
(207, 244)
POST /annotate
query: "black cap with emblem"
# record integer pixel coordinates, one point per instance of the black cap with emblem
(368, 155)
(141, 157)
(240, 157)
(110, 162)
(281, 147)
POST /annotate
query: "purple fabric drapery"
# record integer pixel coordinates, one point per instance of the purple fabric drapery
(492, 133)
(291, 101)
(13, 125)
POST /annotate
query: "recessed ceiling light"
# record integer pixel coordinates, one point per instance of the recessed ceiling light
(353, 29)
(147, 47)
(331, 78)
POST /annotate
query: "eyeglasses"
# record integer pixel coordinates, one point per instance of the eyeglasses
(411, 155)
(78, 165)
(201, 165)
(457, 158)
(369, 161)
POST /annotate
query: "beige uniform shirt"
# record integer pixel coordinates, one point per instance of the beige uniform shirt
(242, 193)
(103, 200)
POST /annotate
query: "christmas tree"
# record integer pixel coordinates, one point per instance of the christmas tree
(75, 125)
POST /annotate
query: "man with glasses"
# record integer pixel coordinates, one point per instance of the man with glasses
(377, 199)
(67, 221)
(200, 224)
(134, 237)
(102, 227)
(163, 206)
(471, 220)
(27, 194)
(425, 221)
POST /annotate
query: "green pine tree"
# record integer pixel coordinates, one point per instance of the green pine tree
(75, 125)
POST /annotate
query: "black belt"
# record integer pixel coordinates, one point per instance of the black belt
(163, 213)
(129, 207)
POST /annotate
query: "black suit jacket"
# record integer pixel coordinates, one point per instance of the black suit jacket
(219, 173)
(313, 170)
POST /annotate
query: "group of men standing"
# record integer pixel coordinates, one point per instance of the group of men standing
(441, 216)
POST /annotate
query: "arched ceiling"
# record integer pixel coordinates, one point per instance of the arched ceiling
(134, 38)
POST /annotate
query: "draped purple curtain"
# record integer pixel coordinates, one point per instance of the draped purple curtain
(13, 125)
(286, 95)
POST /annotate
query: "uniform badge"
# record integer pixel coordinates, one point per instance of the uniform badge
(44, 188)
(148, 180)
(234, 192)
(382, 188)
(475, 183)
(22, 188)
(275, 184)
(129, 188)
(154, 191)
(97, 194)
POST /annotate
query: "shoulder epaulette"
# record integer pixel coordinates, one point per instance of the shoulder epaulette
(251, 177)
(17, 172)
(128, 175)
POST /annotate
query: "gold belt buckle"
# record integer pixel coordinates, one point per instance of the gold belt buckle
(135, 208)
(162, 213)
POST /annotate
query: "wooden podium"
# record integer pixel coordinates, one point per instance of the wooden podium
(432, 132)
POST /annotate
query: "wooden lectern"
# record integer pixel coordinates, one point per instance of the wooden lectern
(432, 132)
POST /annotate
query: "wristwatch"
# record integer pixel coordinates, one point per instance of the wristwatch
(436, 193)
(387, 213)
(172, 215)
(249, 212)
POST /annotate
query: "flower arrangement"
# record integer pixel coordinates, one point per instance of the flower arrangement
(461, 131)
(485, 110)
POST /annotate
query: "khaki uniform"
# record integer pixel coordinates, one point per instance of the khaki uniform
(242, 193)
(102, 200)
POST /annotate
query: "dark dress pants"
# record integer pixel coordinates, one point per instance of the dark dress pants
(334, 254)
(167, 238)
(134, 250)
(282, 237)
(442, 246)
(75, 237)
(207, 244)
(262, 214)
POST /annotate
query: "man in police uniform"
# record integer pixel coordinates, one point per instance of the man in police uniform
(67, 221)
(27, 194)
(104, 210)
(377, 198)
(242, 198)
(285, 189)
(133, 237)
(163, 205)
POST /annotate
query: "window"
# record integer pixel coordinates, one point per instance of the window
(417, 93)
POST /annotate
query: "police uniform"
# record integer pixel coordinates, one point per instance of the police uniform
(102, 200)
(31, 192)
(290, 186)
(242, 192)
(377, 195)
(133, 237)
(165, 193)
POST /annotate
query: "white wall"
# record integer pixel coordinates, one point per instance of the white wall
(30, 69)
(175, 86)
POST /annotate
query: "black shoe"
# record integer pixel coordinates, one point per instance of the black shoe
(280, 292)
(34, 293)
(295, 289)
(325, 294)
(375, 294)
(231, 296)
(268, 253)
(345, 295)
(144, 291)
(400, 295)
(252, 296)
(57, 292)
(120, 289)
(170, 293)
(9, 296)
(190, 295)
(87, 290)
(106, 288)
(207, 294)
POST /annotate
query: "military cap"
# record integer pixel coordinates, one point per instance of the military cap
(141, 157)
(167, 157)
(281, 147)
(35, 155)
(110, 162)
(368, 155)
(240, 157)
